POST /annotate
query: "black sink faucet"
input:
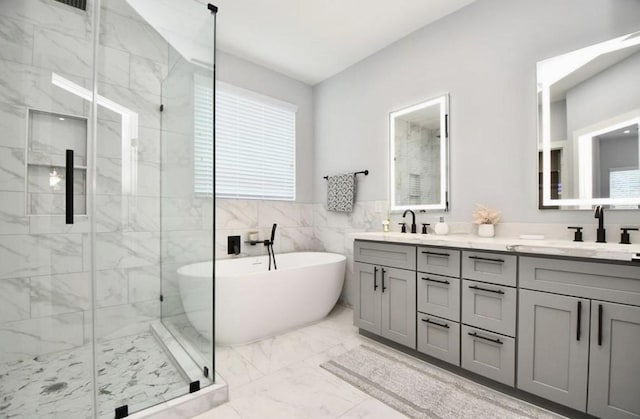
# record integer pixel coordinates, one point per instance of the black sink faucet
(414, 229)
(601, 232)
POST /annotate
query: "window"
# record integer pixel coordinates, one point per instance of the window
(255, 144)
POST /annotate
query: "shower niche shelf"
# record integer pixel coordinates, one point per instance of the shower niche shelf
(49, 135)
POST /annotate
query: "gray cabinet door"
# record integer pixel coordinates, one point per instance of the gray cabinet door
(439, 260)
(367, 307)
(490, 307)
(552, 355)
(439, 338)
(398, 289)
(496, 268)
(614, 364)
(488, 354)
(439, 296)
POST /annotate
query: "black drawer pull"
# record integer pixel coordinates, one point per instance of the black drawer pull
(475, 335)
(436, 254)
(382, 271)
(375, 281)
(435, 280)
(475, 287)
(446, 326)
(487, 259)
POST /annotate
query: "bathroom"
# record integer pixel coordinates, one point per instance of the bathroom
(76, 297)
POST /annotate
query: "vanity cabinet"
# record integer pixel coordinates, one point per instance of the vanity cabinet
(579, 350)
(386, 295)
(577, 338)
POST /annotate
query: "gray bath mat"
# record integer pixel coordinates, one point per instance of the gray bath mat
(420, 390)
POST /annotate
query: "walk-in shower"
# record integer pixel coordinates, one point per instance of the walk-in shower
(103, 106)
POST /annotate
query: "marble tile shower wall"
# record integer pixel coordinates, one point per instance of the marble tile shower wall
(45, 293)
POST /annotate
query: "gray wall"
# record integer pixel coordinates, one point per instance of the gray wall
(483, 55)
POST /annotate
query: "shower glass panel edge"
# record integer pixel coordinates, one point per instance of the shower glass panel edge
(187, 229)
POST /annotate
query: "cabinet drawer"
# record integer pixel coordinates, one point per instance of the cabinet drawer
(489, 306)
(386, 254)
(439, 296)
(490, 267)
(439, 260)
(488, 354)
(601, 281)
(439, 338)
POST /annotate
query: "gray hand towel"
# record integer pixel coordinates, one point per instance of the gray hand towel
(341, 192)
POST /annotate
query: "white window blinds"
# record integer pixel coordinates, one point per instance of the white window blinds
(255, 144)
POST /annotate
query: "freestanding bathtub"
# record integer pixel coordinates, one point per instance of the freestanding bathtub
(253, 303)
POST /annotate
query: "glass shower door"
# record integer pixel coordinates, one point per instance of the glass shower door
(139, 362)
(134, 368)
(46, 366)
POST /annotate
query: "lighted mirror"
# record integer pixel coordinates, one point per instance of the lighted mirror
(589, 115)
(418, 148)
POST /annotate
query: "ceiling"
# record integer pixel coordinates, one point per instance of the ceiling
(309, 40)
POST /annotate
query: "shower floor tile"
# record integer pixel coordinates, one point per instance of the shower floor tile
(133, 370)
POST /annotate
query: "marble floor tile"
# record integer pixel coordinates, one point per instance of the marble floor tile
(271, 354)
(280, 377)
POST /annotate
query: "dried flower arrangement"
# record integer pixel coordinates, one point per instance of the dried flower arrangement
(485, 215)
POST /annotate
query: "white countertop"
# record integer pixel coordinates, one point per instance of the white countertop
(610, 251)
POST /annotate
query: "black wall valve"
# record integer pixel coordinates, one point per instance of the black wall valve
(624, 237)
(577, 236)
(233, 245)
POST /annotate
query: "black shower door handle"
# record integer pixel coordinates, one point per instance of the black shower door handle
(68, 191)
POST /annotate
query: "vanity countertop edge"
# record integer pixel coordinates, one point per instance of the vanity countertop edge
(608, 251)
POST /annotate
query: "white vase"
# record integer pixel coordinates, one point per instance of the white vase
(486, 230)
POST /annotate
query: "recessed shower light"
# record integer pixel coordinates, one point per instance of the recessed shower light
(62, 119)
(627, 131)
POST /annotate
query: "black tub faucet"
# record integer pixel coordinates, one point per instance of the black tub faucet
(601, 233)
(414, 229)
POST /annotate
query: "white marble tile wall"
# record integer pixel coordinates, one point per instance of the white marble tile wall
(45, 285)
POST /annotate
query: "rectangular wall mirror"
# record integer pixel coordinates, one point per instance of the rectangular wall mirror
(419, 157)
(588, 120)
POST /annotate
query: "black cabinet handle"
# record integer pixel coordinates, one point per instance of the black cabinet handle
(68, 192)
(599, 324)
(475, 335)
(446, 326)
(435, 280)
(487, 259)
(375, 281)
(436, 254)
(579, 320)
(475, 287)
(382, 271)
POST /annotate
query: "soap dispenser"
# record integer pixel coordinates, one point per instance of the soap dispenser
(441, 227)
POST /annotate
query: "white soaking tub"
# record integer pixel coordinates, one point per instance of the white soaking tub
(253, 303)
